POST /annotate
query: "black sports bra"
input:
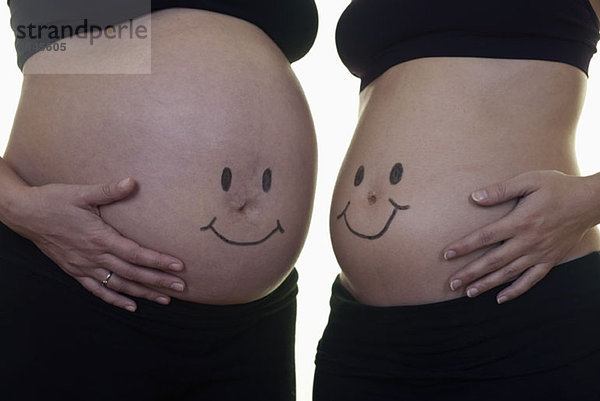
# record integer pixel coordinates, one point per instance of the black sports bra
(374, 35)
(291, 24)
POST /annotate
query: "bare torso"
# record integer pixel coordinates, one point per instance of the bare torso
(221, 95)
(455, 125)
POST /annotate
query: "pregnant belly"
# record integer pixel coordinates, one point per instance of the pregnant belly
(388, 234)
(424, 142)
(218, 138)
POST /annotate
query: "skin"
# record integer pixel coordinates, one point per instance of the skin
(395, 176)
(226, 185)
(457, 124)
(554, 212)
(229, 99)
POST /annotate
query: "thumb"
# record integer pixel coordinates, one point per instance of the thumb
(503, 191)
(102, 194)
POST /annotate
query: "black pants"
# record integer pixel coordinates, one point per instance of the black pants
(544, 345)
(59, 342)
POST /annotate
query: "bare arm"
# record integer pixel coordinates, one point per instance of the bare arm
(11, 185)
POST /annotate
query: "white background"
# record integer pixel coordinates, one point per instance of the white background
(332, 95)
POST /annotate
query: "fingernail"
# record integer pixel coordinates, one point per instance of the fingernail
(501, 300)
(123, 183)
(162, 300)
(449, 254)
(479, 195)
(177, 286)
(176, 266)
(471, 292)
(454, 285)
(130, 308)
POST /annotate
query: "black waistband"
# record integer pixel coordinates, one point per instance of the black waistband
(21, 256)
(553, 323)
(573, 279)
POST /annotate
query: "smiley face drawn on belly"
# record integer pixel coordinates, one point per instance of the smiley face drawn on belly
(395, 177)
(226, 178)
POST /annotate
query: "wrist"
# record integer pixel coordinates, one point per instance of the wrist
(15, 203)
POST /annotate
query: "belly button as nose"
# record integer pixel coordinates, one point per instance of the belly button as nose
(371, 198)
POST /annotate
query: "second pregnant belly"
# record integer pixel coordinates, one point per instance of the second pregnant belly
(403, 191)
(398, 205)
(388, 234)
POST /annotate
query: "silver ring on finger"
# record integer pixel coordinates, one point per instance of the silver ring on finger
(108, 276)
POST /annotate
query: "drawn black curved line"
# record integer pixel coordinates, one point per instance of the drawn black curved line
(210, 226)
(383, 230)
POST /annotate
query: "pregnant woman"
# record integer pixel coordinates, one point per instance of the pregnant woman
(218, 150)
(458, 97)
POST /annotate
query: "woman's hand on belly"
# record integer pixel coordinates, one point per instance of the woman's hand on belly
(553, 213)
(64, 222)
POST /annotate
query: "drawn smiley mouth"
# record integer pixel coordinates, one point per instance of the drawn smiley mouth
(226, 178)
(211, 226)
(383, 230)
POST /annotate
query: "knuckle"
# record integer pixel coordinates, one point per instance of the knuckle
(137, 255)
(467, 276)
(536, 274)
(71, 263)
(494, 261)
(526, 283)
(148, 294)
(80, 196)
(483, 285)
(531, 242)
(117, 285)
(485, 237)
(161, 282)
(536, 278)
(519, 288)
(510, 272)
(102, 259)
(464, 246)
(159, 261)
(107, 190)
(128, 273)
(499, 191)
(98, 238)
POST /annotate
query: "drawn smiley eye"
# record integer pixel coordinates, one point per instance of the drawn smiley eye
(226, 176)
(266, 180)
(226, 179)
(396, 173)
(358, 177)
